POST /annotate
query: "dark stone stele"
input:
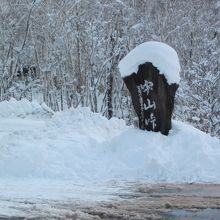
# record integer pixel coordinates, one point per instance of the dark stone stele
(152, 98)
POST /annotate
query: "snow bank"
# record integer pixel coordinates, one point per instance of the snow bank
(23, 108)
(84, 147)
(159, 54)
(186, 155)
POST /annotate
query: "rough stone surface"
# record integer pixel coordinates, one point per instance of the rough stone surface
(152, 97)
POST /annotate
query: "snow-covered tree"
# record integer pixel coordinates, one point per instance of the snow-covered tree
(75, 47)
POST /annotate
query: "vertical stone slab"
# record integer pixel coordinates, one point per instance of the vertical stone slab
(152, 98)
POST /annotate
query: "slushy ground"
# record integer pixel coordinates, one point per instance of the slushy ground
(134, 201)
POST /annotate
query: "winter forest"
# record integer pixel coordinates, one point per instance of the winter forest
(66, 53)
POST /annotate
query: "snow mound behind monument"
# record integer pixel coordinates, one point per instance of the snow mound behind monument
(85, 147)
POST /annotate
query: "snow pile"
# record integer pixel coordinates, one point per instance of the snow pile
(23, 108)
(186, 155)
(159, 54)
(67, 146)
(84, 147)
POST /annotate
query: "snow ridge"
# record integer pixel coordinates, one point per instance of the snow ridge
(84, 147)
(23, 108)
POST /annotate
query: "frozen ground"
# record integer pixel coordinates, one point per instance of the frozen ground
(141, 201)
(79, 155)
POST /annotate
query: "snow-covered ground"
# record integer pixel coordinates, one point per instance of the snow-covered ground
(77, 154)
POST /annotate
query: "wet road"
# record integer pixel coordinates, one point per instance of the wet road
(138, 201)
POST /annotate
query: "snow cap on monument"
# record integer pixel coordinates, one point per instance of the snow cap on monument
(161, 55)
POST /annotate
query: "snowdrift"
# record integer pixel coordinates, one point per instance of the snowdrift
(82, 147)
(23, 108)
